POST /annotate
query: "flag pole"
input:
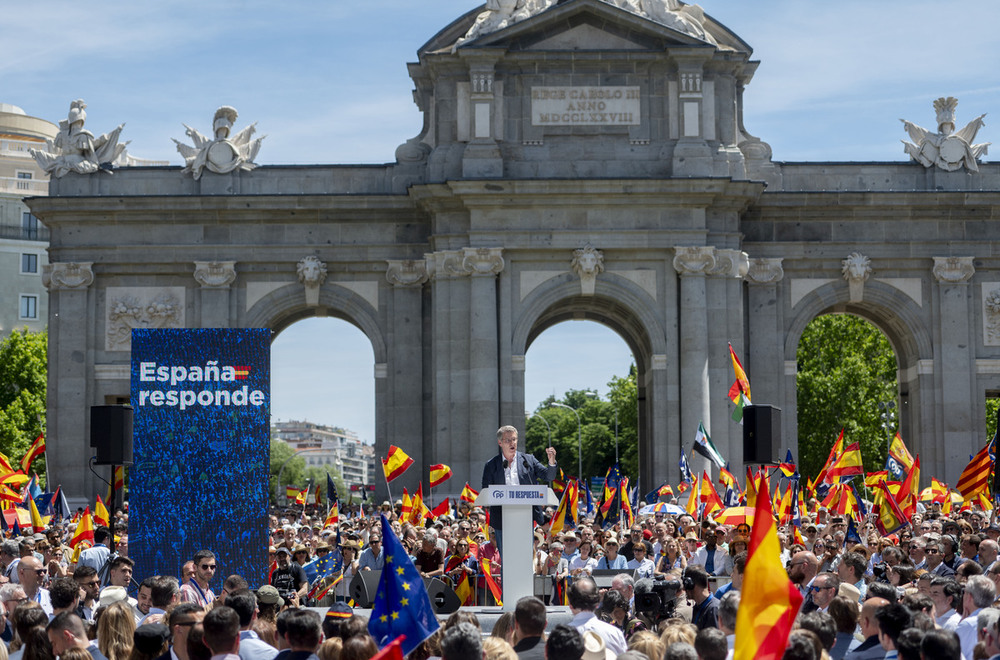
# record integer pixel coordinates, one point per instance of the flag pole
(392, 506)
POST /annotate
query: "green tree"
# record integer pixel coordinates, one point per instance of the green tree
(596, 428)
(297, 474)
(846, 367)
(23, 375)
(992, 406)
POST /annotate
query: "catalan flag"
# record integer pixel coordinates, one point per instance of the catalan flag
(739, 392)
(847, 465)
(395, 463)
(770, 601)
(468, 494)
(37, 448)
(84, 529)
(975, 477)
(440, 473)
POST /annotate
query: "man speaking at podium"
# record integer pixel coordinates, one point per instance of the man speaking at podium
(516, 468)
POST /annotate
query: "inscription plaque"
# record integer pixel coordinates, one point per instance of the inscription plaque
(585, 106)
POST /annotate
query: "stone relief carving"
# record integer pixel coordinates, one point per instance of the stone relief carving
(140, 307)
(407, 272)
(499, 14)
(221, 154)
(696, 260)
(483, 261)
(312, 274)
(75, 149)
(445, 263)
(765, 271)
(953, 270)
(67, 275)
(215, 274)
(991, 313)
(946, 149)
(856, 268)
(730, 263)
(587, 263)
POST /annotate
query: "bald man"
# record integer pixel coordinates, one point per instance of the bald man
(802, 569)
(871, 648)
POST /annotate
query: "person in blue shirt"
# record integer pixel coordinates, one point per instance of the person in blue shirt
(611, 558)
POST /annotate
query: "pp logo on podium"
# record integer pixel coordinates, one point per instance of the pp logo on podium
(498, 494)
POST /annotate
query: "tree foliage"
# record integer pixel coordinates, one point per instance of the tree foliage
(596, 429)
(23, 376)
(846, 367)
(295, 473)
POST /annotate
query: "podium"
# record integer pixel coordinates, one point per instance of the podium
(516, 555)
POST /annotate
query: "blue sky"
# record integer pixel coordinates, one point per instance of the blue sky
(327, 83)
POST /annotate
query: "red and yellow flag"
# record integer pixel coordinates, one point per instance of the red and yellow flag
(37, 447)
(692, 503)
(440, 473)
(975, 477)
(84, 529)
(101, 513)
(835, 450)
(709, 497)
(119, 479)
(38, 523)
(741, 385)
(441, 509)
(468, 494)
(847, 465)
(491, 581)
(770, 601)
(395, 463)
(333, 517)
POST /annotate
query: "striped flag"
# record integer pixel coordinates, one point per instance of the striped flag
(847, 465)
(84, 529)
(468, 494)
(101, 516)
(395, 463)
(769, 600)
(704, 446)
(440, 473)
(34, 451)
(739, 392)
(975, 477)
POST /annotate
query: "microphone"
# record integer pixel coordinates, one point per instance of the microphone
(505, 463)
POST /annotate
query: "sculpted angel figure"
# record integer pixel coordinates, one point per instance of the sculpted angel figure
(683, 18)
(75, 149)
(223, 154)
(947, 149)
(502, 13)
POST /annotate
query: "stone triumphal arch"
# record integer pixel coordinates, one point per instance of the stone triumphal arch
(577, 160)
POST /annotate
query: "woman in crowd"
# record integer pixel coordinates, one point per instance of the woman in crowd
(116, 631)
(672, 557)
(584, 562)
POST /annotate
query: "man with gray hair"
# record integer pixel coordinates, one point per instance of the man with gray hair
(516, 468)
(461, 642)
(979, 593)
(728, 604)
(9, 554)
(988, 550)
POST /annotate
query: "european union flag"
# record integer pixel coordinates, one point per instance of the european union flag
(322, 567)
(401, 605)
(331, 490)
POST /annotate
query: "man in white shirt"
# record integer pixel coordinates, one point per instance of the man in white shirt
(979, 593)
(944, 593)
(31, 575)
(583, 601)
(712, 557)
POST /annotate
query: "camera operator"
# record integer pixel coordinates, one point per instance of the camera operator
(706, 606)
(656, 600)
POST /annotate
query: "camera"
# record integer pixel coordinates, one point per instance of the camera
(659, 603)
(878, 570)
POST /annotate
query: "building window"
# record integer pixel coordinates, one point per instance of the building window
(29, 226)
(28, 308)
(29, 263)
(24, 180)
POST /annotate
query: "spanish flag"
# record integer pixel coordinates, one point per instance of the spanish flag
(38, 523)
(709, 497)
(395, 463)
(468, 494)
(119, 478)
(888, 516)
(440, 473)
(84, 529)
(333, 517)
(37, 447)
(101, 513)
(5, 466)
(848, 464)
(835, 450)
(739, 392)
(770, 601)
(441, 509)
(692, 504)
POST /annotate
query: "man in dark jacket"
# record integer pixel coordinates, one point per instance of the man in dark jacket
(512, 467)
(529, 625)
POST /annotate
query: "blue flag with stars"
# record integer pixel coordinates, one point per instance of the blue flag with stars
(401, 605)
(331, 490)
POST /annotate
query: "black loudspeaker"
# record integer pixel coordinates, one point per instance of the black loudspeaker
(761, 434)
(443, 598)
(111, 434)
(363, 588)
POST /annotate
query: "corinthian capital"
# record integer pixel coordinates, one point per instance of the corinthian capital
(406, 272)
(68, 275)
(215, 274)
(696, 260)
(765, 271)
(952, 270)
(483, 261)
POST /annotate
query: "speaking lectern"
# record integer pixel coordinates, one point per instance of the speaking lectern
(516, 554)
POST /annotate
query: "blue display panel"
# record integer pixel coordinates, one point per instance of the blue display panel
(201, 442)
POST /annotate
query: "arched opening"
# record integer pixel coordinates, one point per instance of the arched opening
(846, 379)
(322, 407)
(580, 394)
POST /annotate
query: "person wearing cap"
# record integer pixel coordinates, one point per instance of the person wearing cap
(710, 555)
(289, 578)
(514, 468)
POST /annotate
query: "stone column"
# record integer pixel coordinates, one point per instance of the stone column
(765, 356)
(692, 264)
(692, 156)
(955, 369)
(68, 424)
(405, 386)
(483, 264)
(215, 278)
(725, 309)
(482, 155)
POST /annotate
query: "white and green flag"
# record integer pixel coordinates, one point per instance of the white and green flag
(703, 445)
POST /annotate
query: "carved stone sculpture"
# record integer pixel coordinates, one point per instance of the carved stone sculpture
(588, 263)
(221, 154)
(483, 261)
(953, 270)
(946, 148)
(406, 272)
(689, 19)
(765, 271)
(67, 275)
(503, 13)
(730, 263)
(445, 263)
(991, 316)
(312, 274)
(75, 149)
(694, 260)
(856, 268)
(215, 274)
(140, 307)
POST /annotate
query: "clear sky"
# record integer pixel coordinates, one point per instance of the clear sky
(327, 83)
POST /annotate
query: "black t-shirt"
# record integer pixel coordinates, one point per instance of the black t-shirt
(288, 579)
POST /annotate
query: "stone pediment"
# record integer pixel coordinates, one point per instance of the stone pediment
(583, 25)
